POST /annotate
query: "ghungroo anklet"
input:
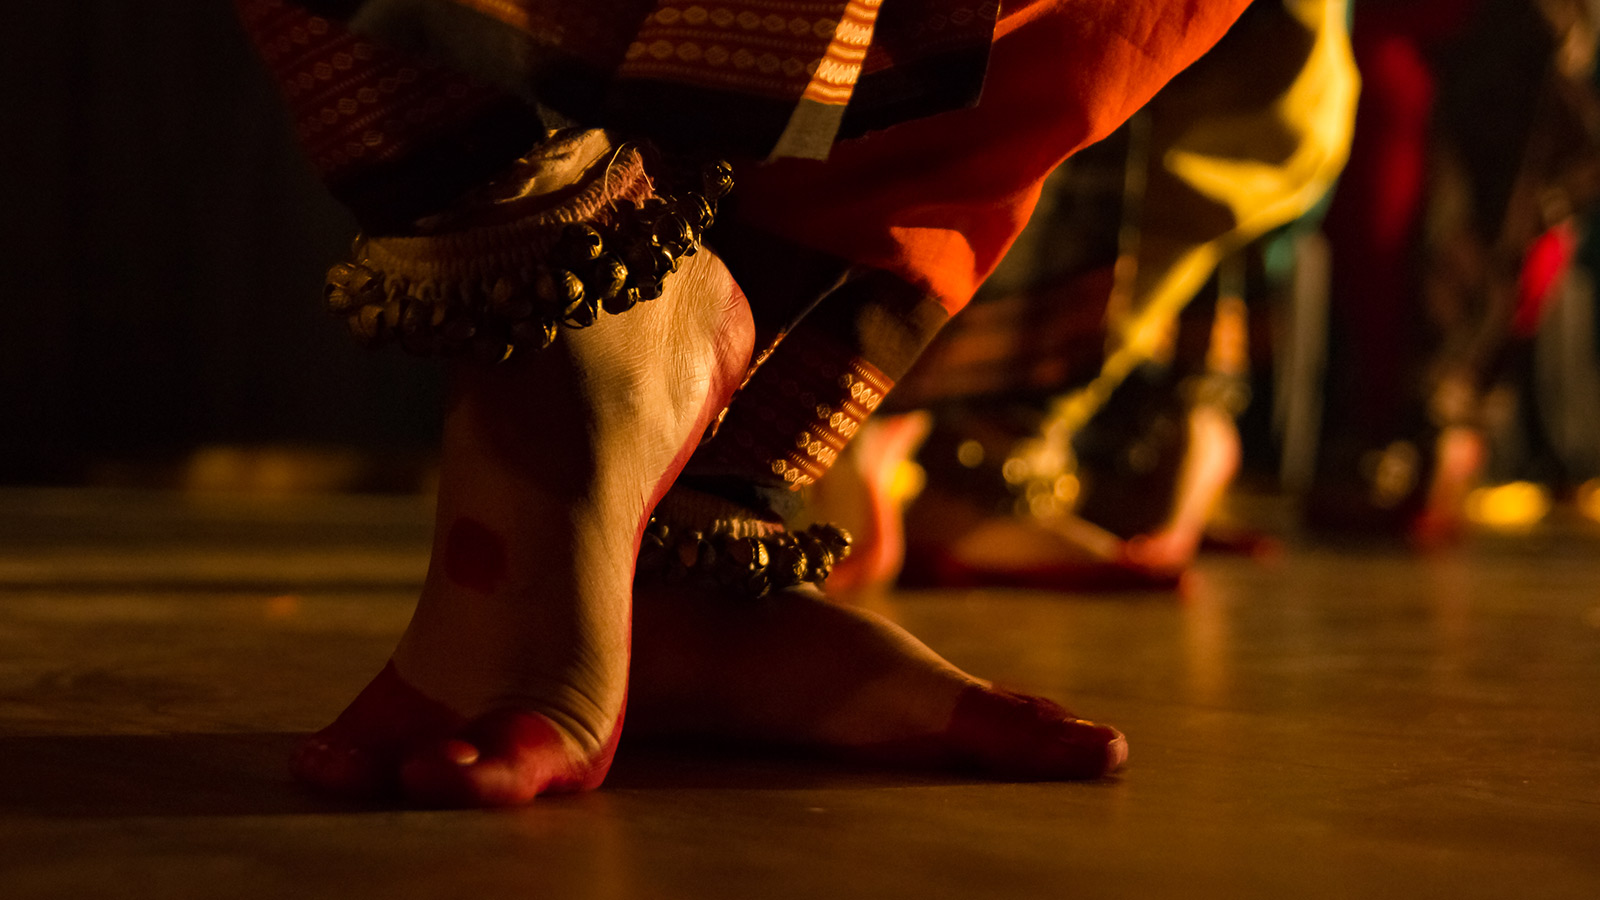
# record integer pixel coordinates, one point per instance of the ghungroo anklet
(500, 289)
(746, 564)
(701, 539)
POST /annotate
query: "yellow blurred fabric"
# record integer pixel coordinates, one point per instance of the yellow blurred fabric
(1247, 140)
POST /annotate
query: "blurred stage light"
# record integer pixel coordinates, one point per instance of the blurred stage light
(1516, 506)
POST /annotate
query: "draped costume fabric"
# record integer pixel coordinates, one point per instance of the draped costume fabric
(1247, 140)
(875, 190)
(1128, 232)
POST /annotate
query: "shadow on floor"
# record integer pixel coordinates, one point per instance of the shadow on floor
(119, 776)
(112, 776)
(697, 766)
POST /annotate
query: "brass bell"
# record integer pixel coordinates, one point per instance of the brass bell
(818, 560)
(607, 276)
(697, 209)
(788, 565)
(350, 277)
(579, 244)
(339, 301)
(532, 334)
(834, 538)
(717, 179)
(749, 554)
(367, 324)
(416, 318)
(581, 312)
(664, 260)
(674, 230)
(621, 301)
(557, 288)
(650, 261)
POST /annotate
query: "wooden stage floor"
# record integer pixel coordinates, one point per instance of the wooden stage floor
(1355, 723)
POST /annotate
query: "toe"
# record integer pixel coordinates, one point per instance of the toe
(355, 756)
(503, 759)
(1014, 735)
(339, 768)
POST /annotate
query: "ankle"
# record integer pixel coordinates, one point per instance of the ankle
(702, 540)
(573, 231)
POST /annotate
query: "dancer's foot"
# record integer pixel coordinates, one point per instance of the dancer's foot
(1210, 460)
(1400, 492)
(800, 671)
(511, 679)
(953, 542)
(1459, 457)
(950, 539)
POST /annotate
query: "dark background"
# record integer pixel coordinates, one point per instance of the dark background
(162, 244)
(163, 250)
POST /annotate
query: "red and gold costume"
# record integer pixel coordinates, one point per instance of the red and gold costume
(887, 152)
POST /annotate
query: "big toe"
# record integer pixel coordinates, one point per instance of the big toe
(502, 759)
(1012, 735)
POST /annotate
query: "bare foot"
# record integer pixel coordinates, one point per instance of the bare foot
(1210, 461)
(1459, 456)
(511, 679)
(952, 542)
(798, 670)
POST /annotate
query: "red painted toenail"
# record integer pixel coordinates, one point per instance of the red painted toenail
(474, 556)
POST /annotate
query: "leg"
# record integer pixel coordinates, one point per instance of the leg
(798, 669)
(511, 679)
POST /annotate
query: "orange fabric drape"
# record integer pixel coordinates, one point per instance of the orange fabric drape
(937, 201)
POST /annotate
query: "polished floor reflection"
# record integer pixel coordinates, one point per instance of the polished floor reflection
(1337, 723)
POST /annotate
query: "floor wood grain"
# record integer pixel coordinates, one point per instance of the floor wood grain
(1338, 723)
